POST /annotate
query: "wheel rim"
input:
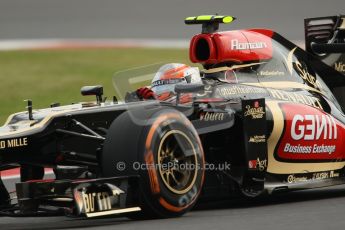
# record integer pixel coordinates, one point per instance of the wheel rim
(178, 163)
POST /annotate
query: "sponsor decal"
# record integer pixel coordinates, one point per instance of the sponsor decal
(252, 164)
(257, 139)
(166, 81)
(211, 116)
(235, 90)
(236, 45)
(309, 148)
(256, 112)
(296, 97)
(257, 164)
(333, 174)
(271, 73)
(313, 176)
(301, 70)
(310, 134)
(294, 179)
(188, 198)
(325, 175)
(304, 74)
(340, 66)
(313, 127)
(100, 199)
(14, 143)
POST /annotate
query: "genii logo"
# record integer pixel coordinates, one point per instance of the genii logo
(310, 134)
(313, 127)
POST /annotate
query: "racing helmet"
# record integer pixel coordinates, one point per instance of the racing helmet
(163, 83)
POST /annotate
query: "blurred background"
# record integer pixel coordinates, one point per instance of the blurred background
(162, 19)
(41, 56)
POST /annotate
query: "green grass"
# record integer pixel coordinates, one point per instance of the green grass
(57, 75)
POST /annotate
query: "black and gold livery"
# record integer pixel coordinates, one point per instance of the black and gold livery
(257, 125)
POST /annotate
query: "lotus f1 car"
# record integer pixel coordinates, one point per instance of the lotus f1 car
(270, 112)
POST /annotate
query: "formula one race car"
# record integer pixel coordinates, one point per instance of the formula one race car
(268, 117)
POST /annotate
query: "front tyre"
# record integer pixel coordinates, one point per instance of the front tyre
(169, 159)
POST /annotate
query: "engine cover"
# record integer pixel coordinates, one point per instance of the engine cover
(236, 46)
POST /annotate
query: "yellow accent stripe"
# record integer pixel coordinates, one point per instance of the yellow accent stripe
(190, 18)
(43, 122)
(204, 17)
(225, 68)
(228, 19)
(112, 212)
(342, 25)
(225, 19)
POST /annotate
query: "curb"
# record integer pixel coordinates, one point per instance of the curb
(14, 173)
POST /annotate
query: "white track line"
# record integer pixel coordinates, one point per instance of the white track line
(29, 44)
(33, 44)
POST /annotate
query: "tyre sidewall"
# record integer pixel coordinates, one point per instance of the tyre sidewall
(161, 199)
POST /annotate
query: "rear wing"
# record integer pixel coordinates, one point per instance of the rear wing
(325, 34)
(325, 38)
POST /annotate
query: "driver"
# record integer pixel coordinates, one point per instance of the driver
(163, 84)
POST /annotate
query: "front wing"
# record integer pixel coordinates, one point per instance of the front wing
(81, 197)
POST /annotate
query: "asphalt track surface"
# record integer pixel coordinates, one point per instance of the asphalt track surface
(158, 19)
(310, 209)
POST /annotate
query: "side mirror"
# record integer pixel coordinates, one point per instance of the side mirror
(96, 90)
(188, 88)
